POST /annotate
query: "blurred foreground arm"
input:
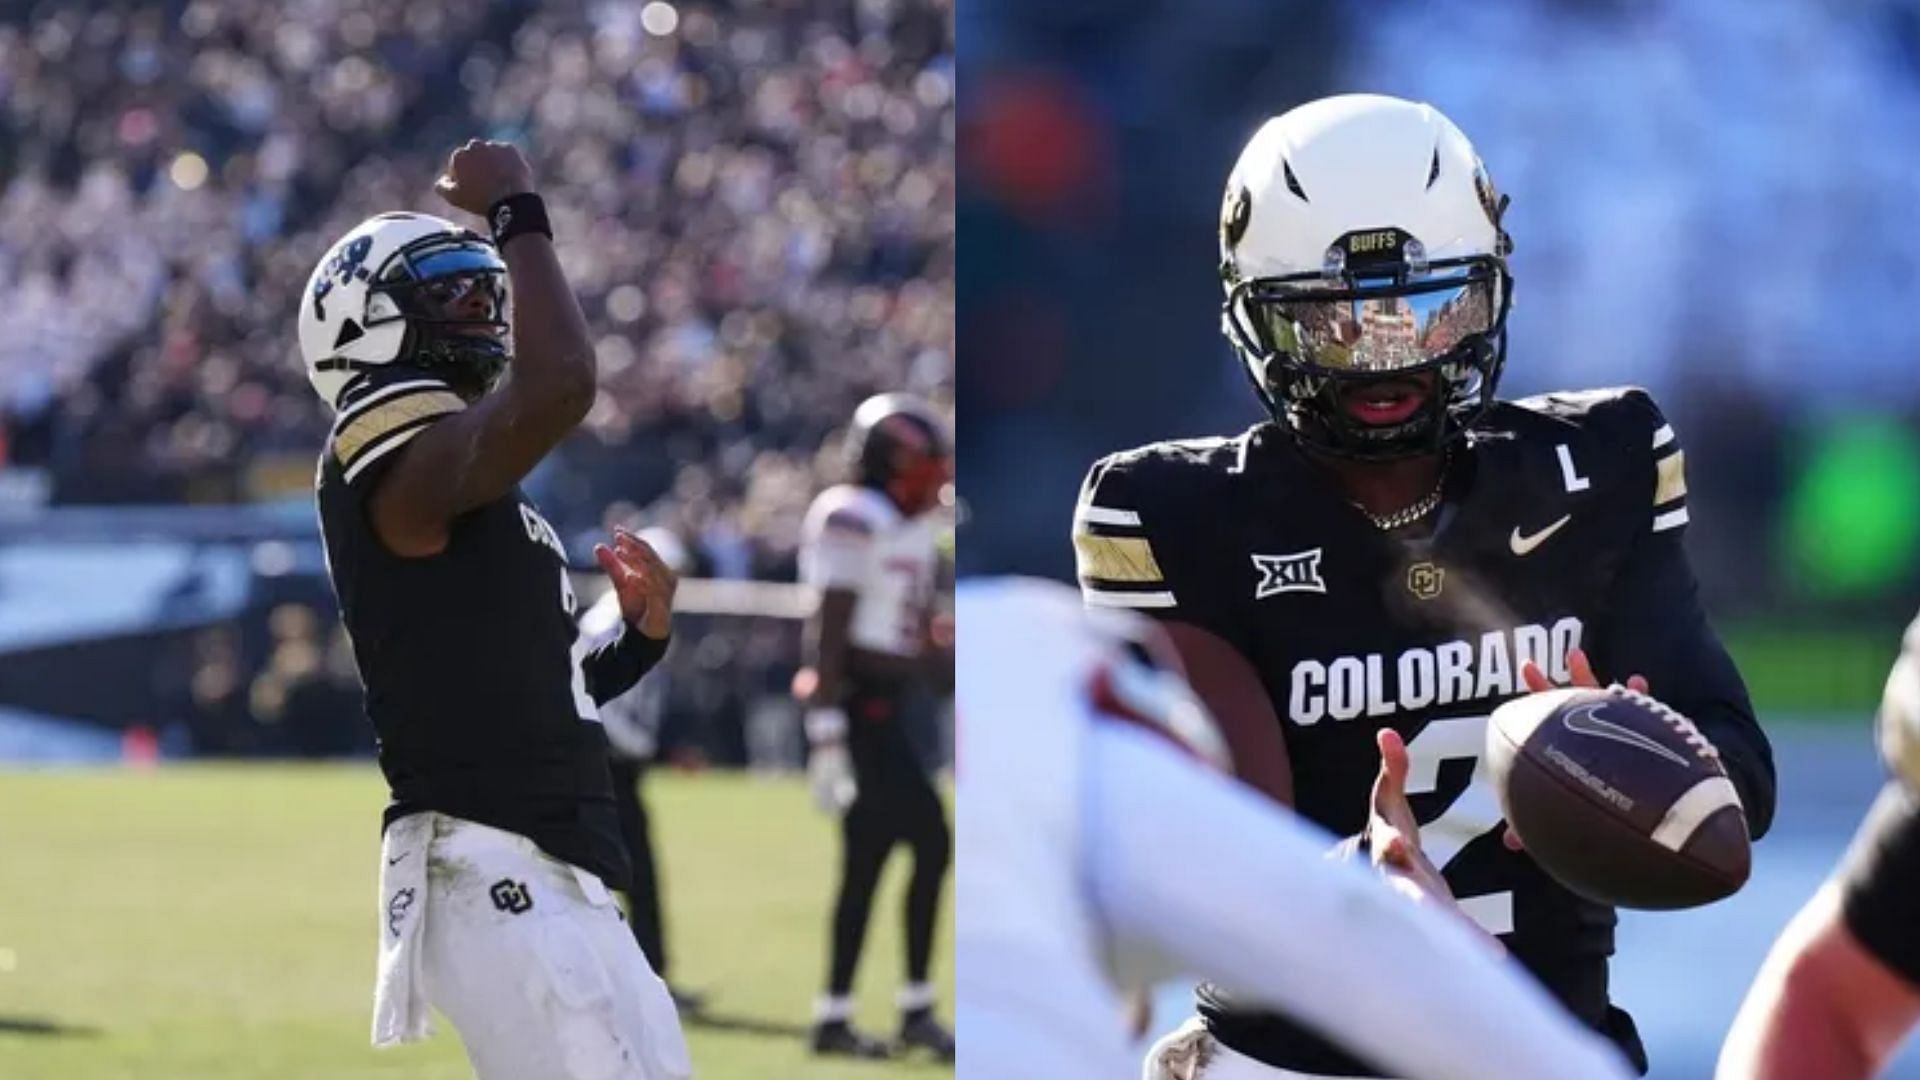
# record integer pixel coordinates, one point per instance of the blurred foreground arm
(1170, 847)
(1841, 988)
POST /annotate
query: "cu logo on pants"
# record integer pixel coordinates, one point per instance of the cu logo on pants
(511, 896)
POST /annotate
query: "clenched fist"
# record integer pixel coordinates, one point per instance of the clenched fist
(480, 174)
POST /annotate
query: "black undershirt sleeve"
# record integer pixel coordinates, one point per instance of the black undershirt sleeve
(1877, 879)
(615, 666)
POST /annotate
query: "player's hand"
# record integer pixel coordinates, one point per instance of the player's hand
(642, 580)
(1581, 670)
(936, 650)
(829, 767)
(1393, 834)
(480, 174)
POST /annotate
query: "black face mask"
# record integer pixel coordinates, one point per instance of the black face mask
(432, 279)
(1307, 340)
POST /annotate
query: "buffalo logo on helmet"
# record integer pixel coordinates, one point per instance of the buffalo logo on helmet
(1235, 213)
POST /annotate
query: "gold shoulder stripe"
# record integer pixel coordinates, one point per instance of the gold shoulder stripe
(1671, 478)
(362, 430)
(1115, 558)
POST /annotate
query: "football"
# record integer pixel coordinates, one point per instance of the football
(1619, 798)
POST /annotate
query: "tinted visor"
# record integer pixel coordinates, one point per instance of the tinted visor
(1389, 326)
(431, 281)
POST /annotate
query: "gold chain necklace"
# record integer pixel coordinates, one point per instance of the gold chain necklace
(1400, 519)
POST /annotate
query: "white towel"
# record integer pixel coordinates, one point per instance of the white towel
(400, 1010)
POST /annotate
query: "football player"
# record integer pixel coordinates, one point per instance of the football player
(871, 548)
(1841, 989)
(1395, 547)
(1085, 761)
(501, 844)
(633, 721)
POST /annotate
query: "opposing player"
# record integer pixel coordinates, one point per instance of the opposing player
(501, 843)
(1841, 989)
(1104, 847)
(1395, 546)
(870, 547)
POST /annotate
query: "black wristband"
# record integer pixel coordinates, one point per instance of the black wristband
(646, 651)
(516, 214)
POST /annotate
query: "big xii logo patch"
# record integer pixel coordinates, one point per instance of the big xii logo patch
(511, 896)
(1298, 572)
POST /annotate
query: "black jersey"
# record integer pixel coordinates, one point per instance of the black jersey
(1560, 528)
(1880, 878)
(471, 659)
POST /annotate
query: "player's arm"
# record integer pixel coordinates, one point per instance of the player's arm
(826, 644)
(1232, 691)
(1656, 627)
(643, 588)
(478, 454)
(1841, 988)
(1122, 560)
(1251, 903)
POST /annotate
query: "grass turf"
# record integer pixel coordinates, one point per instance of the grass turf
(218, 922)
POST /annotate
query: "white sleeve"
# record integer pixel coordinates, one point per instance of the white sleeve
(1240, 892)
(838, 551)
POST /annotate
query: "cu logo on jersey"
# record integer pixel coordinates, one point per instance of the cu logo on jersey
(511, 896)
(1299, 572)
(1424, 580)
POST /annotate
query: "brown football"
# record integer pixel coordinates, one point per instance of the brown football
(1619, 798)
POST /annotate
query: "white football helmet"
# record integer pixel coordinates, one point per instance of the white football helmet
(383, 295)
(1360, 240)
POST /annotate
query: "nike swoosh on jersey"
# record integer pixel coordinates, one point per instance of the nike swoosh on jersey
(1581, 721)
(1523, 545)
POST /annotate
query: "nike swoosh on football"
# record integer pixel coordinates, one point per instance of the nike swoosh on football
(1524, 544)
(1581, 721)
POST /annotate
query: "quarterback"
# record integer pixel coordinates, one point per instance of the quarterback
(1085, 761)
(501, 842)
(1396, 548)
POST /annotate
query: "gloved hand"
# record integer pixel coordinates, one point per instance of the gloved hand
(829, 766)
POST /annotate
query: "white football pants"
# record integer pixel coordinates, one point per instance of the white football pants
(526, 955)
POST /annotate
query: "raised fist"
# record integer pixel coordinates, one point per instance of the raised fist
(480, 174)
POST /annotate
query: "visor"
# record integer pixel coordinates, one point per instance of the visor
(1391, 326)
(426, 278)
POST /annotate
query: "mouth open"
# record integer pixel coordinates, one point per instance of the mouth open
(1384, 402)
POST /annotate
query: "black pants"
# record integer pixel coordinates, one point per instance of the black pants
(896, 803)
(644, 900)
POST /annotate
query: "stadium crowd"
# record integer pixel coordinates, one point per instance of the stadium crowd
(753, 200)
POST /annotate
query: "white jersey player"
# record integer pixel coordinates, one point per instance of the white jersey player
(871, 548)
(1101, 853)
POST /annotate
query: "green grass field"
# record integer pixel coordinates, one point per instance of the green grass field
(219, 923)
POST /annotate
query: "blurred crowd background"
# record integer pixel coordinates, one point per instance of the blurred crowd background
(753, 200)
(1710, 199)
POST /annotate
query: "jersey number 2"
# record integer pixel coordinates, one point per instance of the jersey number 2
(1474, 814)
